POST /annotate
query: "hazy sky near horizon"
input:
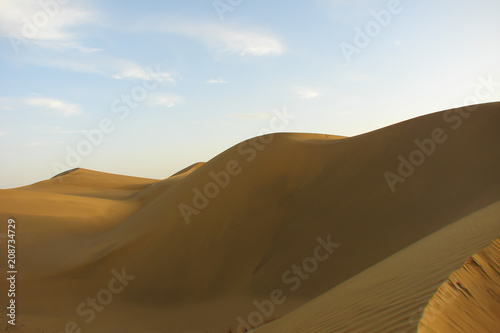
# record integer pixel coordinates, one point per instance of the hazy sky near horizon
(171, 83)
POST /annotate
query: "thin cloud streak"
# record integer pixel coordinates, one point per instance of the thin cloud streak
(306, 93)
(222, 38)
(164, 100)
(108, 66)
(56, 106)
(216, 81)
(63, 108)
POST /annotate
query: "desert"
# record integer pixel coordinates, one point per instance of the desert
(309, 236)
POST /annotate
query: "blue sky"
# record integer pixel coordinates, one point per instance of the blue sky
(203, 75)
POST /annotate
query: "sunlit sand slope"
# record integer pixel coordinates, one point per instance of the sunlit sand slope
(469, 301)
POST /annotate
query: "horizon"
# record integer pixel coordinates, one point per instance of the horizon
(149, 90)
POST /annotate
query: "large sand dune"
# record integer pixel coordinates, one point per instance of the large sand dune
(324, 226)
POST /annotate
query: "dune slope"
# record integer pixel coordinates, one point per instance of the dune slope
(391, 296)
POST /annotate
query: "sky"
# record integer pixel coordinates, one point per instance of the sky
(147, 88)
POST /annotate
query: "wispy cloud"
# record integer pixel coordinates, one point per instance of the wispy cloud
(56, 106)
(222, 37)
(164, 100)
(44, 23)
(107, 66)
(53, 105)
(55, 30)
(62, 108)
(306, 93)
(128, 69)
(216, 81)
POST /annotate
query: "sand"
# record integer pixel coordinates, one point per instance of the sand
(299, 230)
(392, 295)
(469, 301)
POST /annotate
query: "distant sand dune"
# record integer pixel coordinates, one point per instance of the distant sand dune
(210, 242)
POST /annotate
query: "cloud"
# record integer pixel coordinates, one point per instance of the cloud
(129, 69)
(223, 38)
(44, 23)
(51, 104)
(2, 134)
(107, 66)
(216, 81)
(62, 108)
(164, 100)
(306, 93)
(51, 25)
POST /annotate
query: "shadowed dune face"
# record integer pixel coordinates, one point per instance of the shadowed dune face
(469, 301)
(297, 213)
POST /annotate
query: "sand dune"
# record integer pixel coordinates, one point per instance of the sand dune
(313, 224)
